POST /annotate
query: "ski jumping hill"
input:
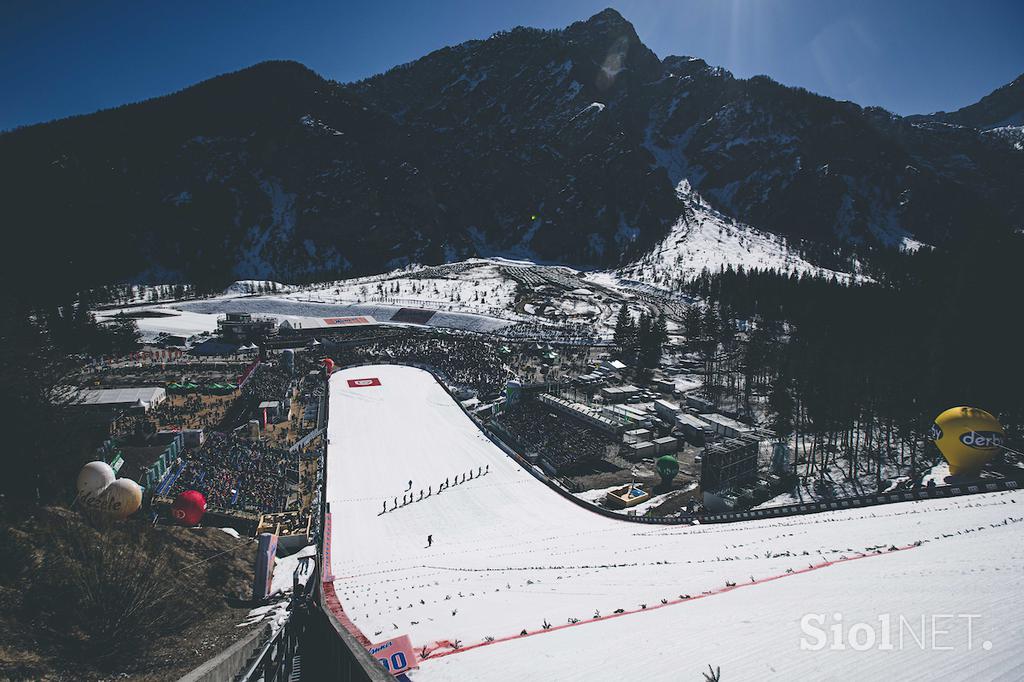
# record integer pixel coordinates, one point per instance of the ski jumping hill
(930, 583)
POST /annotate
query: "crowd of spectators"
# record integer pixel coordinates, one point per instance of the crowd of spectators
(576, 333)
(563, 443)
(268, 382)
(137, 373)
(483, 364)
(469, 361)
(177, 412)
(532, 362)
(192, 412)
(234, 473)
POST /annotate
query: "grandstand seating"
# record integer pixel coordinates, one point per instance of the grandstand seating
(466, 361)
(563, 443)
(234, 473)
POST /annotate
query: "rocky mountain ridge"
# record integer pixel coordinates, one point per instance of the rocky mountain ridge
(563, 146)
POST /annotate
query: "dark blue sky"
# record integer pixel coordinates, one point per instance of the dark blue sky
(63, 58)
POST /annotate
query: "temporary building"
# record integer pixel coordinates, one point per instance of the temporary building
(122, 397)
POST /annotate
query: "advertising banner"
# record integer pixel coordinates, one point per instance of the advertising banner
(395, 654)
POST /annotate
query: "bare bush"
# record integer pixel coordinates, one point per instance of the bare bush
(105, 590)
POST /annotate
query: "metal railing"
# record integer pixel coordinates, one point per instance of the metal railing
(276, 659)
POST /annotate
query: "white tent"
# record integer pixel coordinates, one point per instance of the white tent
(125, 397)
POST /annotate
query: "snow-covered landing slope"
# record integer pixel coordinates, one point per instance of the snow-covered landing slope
(704, 238)
(509, 553)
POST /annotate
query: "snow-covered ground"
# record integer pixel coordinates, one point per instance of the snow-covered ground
(509, 555)
(684, 383)
(705, 238)
(513, 290)
(486, 294)
(598, 495)
(190, 318)
(282, 307)
(168, 320)
(479, 287)
(483, 295)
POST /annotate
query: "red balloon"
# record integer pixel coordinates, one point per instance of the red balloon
(189, 507)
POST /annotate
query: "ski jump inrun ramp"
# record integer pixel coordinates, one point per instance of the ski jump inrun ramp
(509, 555)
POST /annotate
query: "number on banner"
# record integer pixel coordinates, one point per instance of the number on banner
(397, 662)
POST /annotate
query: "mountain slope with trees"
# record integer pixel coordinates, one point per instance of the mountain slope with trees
(861, 371)
(560, 145)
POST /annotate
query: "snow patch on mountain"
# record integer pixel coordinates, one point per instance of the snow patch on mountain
(318, 125)
(470, 81)
(910, 245)
(596, 107)
(703, 238)
(1013, 135)
(670, 153)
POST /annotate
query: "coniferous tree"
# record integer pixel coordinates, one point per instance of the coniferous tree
(652, 333)
(707, 346)
(693, 324)
(48, 439)
(867, 366)
(755, 359)
(780, 405)
(661, 331)
(642, 341)
(625, 331)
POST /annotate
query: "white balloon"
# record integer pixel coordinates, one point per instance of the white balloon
(121, 499)
(94, 478)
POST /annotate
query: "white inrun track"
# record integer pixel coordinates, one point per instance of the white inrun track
(510, 555)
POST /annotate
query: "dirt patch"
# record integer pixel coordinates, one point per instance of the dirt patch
(191, 607)
(617, 471)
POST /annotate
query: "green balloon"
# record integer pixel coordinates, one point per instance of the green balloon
(668, 467)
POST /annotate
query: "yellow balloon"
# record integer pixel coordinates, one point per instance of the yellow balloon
(967, 437)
